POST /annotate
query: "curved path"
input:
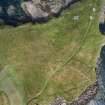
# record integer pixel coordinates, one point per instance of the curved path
(9, 88)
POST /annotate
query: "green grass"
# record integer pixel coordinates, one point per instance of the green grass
(63, 45)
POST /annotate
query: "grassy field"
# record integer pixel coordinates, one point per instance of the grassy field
(56, 58)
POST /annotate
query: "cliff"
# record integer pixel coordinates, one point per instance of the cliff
(16, 12)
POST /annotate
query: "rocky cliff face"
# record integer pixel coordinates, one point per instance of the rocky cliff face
(15, 12)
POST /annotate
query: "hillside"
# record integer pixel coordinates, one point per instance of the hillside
(53, 59)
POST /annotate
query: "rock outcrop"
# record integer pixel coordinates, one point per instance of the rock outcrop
(15, 12)
(84, 99)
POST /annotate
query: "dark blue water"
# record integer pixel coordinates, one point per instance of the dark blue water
(102, 28)
(101, 68)
(18, 18)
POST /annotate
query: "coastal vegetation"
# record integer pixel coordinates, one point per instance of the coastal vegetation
(57, 58)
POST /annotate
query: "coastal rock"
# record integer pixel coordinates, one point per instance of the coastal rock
(16, 12)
